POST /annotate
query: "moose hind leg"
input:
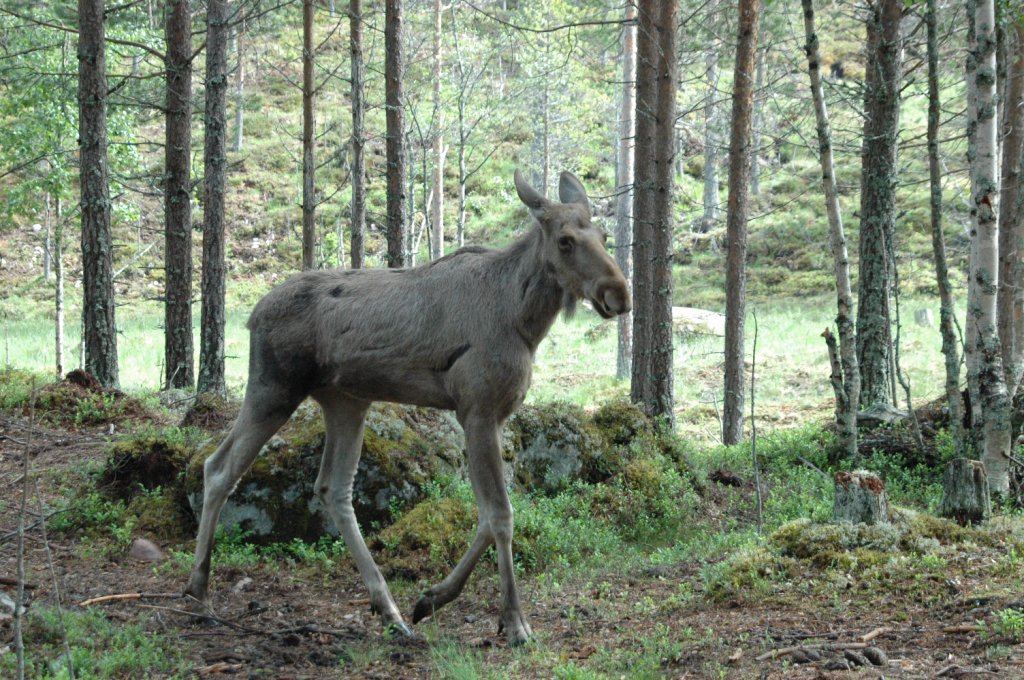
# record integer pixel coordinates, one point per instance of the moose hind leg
(221, 472)
(344, 442)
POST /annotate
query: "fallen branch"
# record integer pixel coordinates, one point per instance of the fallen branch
(964, 628)
(122, 597)
(827, 647)
(868, 637)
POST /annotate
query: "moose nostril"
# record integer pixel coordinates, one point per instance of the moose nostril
(616, 301)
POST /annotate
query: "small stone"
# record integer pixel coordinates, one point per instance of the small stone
(145, 550)
(471, 618)
(243, 583)
(876, 656)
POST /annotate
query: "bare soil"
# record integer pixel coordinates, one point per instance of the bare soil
(283, 621)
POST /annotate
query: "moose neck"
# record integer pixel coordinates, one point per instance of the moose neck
(536, 295)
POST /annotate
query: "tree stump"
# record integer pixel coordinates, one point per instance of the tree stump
(965, 496)
(860, 497)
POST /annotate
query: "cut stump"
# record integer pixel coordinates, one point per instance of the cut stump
(965, 496)
(860, 498)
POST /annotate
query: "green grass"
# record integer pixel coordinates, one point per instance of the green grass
(100, 648)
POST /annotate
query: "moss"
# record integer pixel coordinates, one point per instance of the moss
(146, 473)
(429, 540)
(210, 412)
(163, 516)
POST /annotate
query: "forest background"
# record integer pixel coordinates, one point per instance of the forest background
(490, 87)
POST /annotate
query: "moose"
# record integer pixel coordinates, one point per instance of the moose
(457, 333)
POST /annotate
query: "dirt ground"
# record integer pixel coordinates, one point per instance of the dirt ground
(304, 623)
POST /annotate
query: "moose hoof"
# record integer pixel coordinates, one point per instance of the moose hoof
(397, 629)
(517, 630)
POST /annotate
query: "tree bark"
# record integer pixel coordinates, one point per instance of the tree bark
(711, 126)
(848, 377)
(983, 277)
(736, 220)
(965, 495)
(358, 210)
(395, 142)
(878, 200)
(1010, 301)
(654, 190)
(58, 275)
(212, 314)
(178, 350)
(99, 330)
(440, 150)
(624, 202)
(950, 342)
(308, 139)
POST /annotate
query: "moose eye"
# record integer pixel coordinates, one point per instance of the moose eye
(565, 244)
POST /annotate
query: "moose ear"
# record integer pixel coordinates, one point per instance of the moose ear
(571, 191)
(530, 197)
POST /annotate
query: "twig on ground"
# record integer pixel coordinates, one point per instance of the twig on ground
(868, 637)
(121, 597)
(826, 647)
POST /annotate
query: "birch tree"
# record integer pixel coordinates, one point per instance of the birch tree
(846, 381)
(624, 201)
(439, 148)
(994, 428)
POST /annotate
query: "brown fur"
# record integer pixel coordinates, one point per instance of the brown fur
(458, 333)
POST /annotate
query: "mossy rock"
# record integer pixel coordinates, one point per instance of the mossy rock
(558, 443)
(210, 412)
(428, 541)
(404, 447)
(146, 473)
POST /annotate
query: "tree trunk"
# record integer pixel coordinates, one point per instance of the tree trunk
(878, 200)
(178, 351)
(848, 394)
(736, 220)
(440, 150)
(965, 496)
(624, 202)
(308, 139)
(239, 88)
(711, 126)
(652, 378)
(99, 331)
(1011, 226)
(395, 144)
(983, 277)
(58, 275)
(212, 316)
(950, 342)
(358, 228)
(860, 498)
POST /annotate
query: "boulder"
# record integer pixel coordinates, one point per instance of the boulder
(689, 321)
(404, 447)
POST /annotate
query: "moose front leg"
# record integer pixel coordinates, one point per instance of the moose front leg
(495, 526)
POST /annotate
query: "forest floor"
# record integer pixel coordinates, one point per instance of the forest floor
(630, 619)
